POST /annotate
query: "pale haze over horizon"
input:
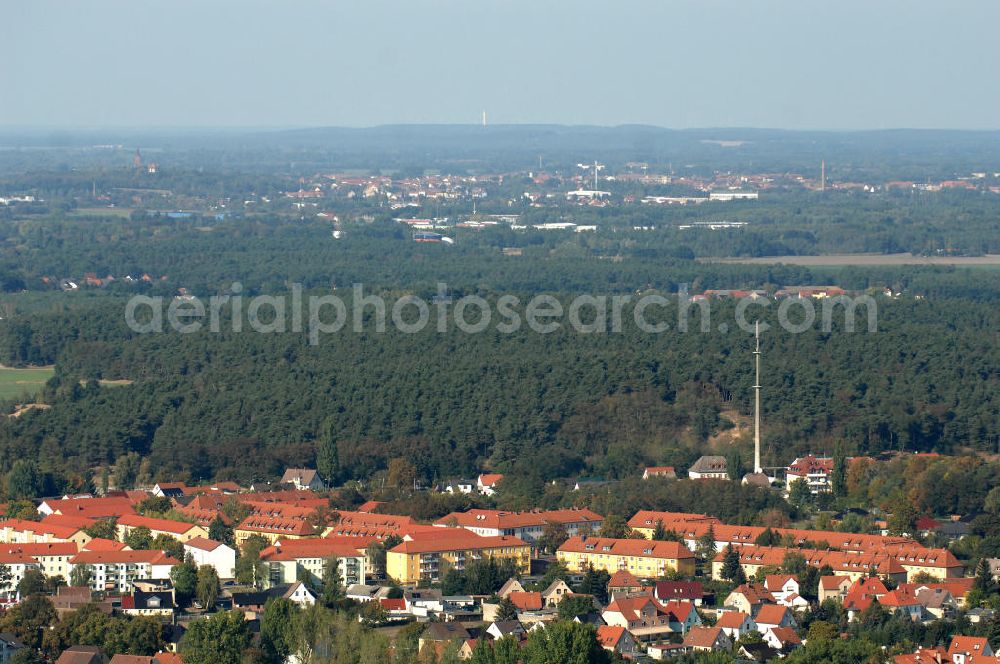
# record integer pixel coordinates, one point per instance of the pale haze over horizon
(795, 64)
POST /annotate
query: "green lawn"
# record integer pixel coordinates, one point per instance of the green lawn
(16, 382)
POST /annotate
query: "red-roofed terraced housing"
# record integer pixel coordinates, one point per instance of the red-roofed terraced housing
(528, 526)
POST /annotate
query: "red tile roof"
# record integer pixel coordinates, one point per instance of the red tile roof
(116, 557)
(101, 544)
(899, 597)
(370, 506)
(648, 518)
(923, 656)
(15, 557)
(627, 547)
(702, 637)
(95, 508)
(832, 582)
(69, 520)
(490, 479)
(204, 517)
(839, 561)
(970, 645)
(609, 636)
(731, 619)
(623, 579)
(479, 518)
(158, 525)
(40, 528)
(203, 543)
(786, 636)
(41, 549)
(771, 614)
(398, 604)
(526, 601)
(456, 540)
(862, 592)
(167, 658)
(659, 470)
(310, 548)
(265, 524)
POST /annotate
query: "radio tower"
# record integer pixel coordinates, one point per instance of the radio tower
(822, 175)
(756, 406)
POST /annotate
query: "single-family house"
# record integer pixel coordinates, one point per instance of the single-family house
(303, 479)
(707, 639)
(617, 640)
(735, 624)
(773, 615)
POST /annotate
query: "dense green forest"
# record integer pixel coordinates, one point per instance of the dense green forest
(242, 404)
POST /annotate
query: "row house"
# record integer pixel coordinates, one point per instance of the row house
(528, 526)
(855, 565)
(350, 523)
(643, 558)
(272, 529)
(692, 527)
(109, 507)
(645, 521)
(20, 531)
(181, 531)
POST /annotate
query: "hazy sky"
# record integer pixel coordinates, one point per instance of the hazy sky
(673, 63)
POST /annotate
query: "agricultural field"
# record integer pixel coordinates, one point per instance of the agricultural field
(17, 382)
(835, 260)
(101, 212)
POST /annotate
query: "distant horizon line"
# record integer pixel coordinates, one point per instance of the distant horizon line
(27, 128)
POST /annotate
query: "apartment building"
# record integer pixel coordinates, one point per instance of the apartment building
(429, 555)
(643, 558)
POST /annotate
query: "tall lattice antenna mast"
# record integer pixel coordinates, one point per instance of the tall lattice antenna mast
(756, 406)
